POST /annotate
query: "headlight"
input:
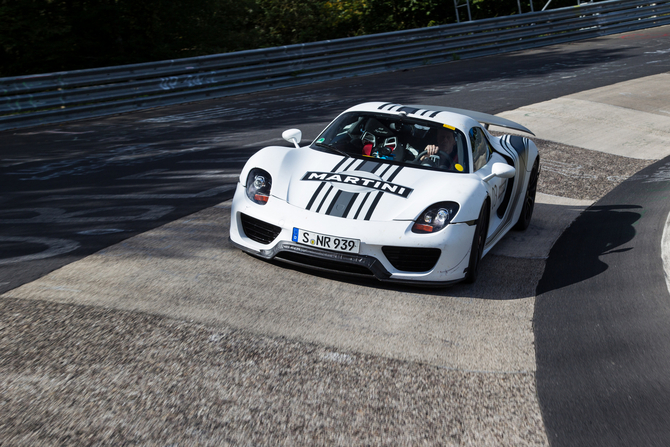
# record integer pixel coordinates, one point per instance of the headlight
(259, 183)
(435, 217)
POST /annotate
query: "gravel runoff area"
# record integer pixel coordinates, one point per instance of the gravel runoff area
(76, 375)
(569, 171)
(79, 375)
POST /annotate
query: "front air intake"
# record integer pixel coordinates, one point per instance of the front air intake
(412, 259)
(259, 231)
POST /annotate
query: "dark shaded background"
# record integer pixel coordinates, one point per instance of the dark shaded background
(44, 36)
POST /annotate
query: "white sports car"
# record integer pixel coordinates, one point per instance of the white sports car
(402, 193)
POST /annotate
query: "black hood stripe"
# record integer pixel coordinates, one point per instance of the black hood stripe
(350, 165)
(349, 205)
(388, 168)
(341, 204)
(316, 193)
(360, 208)
(375, 202)
(393, 176)
(326, 199)
(318, 190)
(367, 166)
(365, 199)
(330, 188)
(374, 205)
(336, 202)
(333, 202)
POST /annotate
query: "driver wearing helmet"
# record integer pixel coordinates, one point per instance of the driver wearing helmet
(445, 143)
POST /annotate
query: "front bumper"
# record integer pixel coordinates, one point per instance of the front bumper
(454, 242)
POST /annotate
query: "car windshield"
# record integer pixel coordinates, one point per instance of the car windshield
(396, 139)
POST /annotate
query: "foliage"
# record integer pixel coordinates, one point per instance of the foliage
(52, 35)
(392, 15)
(38, 36)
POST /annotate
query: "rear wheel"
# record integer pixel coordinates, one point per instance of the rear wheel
(478, 242)
(529, 199)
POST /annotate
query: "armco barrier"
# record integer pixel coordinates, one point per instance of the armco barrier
(63, 96)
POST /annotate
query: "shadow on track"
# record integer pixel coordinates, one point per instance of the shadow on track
(602, 321)
(599, 231)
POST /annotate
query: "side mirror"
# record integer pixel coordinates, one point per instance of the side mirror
(500, 170)
(293, 136)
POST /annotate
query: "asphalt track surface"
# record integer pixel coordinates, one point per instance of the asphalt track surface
(155, 166)
(601, 321)
(81, 187)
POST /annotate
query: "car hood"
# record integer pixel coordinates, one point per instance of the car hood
(363, 189)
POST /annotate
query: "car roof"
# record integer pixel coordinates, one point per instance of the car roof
(461, 119)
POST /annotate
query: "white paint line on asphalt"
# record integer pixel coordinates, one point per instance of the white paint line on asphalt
(100, 231)
(260, 143)
(216, 160)
(208, 193)
(161, 174)
(665, 251)
(197, 176)
(54, 247)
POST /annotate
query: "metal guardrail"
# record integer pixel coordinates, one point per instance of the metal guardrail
(63, 96)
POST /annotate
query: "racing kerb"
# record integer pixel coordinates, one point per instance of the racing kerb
(57, 97)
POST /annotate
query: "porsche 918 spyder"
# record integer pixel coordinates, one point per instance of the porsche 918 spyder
(401, 193)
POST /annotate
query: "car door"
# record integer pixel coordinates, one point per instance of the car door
(483, 158)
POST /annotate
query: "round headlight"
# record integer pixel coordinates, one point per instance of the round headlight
(435, 217)
(442, 217)
(259, 184)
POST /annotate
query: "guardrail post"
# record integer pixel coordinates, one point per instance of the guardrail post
(518, 3)
(458, 5)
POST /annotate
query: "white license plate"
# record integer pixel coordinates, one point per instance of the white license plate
(326, 241)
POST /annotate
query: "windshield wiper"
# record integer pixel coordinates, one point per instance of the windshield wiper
(332, 148)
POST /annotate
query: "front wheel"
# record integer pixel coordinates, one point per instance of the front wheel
(478, 242)
(529, 199)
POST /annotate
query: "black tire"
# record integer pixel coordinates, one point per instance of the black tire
(478, 242)
(529, 199)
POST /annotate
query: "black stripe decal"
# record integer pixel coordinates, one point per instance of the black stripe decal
(333, 202)
(374, 205)
(324, 197)
(362, 163)
(409, 110)
(316, 193)
(385, 171)
(380, 194)
(318, 190)
(341, 197)
(390, 179)
(506, 143)
(349, 205)
(367, 166)
(348, 166)
(433, 114)
(384, 105)
(367, 194)
(341, 204)
(364, 166)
